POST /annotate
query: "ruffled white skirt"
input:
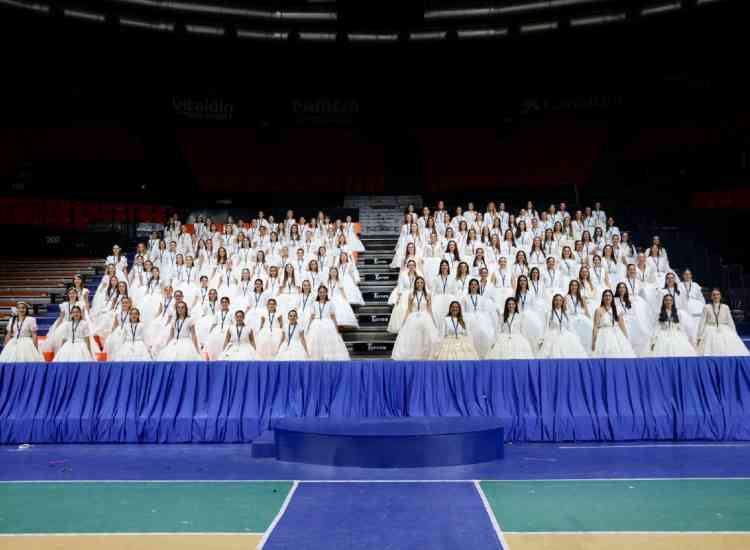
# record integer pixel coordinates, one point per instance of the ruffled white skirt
(21, 350)
(181, 349)
(671, 344)
(584, 328)
(721, 341)
(295, 352)
(325, 342)
(417, 339)
(562, 345)
(511, 346)
(611, 342)
(71, 352)
(481, 330)
(397, 313)
(344, 313)
(267, 342)
(132, 351)
(532, 327)
(457, 349)
(242, 352)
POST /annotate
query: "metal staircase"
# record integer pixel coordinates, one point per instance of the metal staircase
(380, 217)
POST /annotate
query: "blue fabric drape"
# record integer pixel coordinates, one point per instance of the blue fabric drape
(584, 400)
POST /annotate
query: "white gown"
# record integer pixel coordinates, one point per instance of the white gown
(418, 337)
(580, 322)
(349, 275)
(610, 340)
(688, 322)
(216, 337)
(181, 346)
(510, 343)
(117, 336)
(75, 347)
(344, 314)
(268, 338)
(291, 348)
(670, 340)
(533, 323)
(133, 346)
(20, 348)
(442, 296)
(559, 341)
(457, 344)
(717, 333)
(323, 339)
(239, 348)
(476, 312)
(639, 330)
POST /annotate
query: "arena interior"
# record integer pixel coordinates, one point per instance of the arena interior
(326, 274)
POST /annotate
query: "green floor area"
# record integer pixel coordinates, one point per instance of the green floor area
(140, 507)
(623, 505)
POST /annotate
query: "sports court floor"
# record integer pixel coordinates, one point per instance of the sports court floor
(542, 496)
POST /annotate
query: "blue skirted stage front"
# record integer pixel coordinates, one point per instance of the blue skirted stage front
(583, 400)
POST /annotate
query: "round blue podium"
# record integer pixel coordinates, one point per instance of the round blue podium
(392, 442)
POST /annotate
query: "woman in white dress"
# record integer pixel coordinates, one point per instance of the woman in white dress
(239, 343)
(74, 335)
(344, 314)
(432, 257)
(79, 283)
(133, 346)
(691, 297)
(688, 322)
(355, 245)
(418, 336)
(610, 336)
(183, 343)
(159, 329)
(578, 313)
(476, 312)
(442, 293)
(559, 341)
(53, 340)
(149, 297)
(456, 344)
(323, 339)
(350, 278)
(270, 331)
(669, 338)
(21, 344)
(117, 335)
(510, 343)
(532, 326)
(399, 297)
(119, 261)
(304, 305)
(293, 345)
(637, 317)
(289, 290)
(717, 335)
(660, 263)
(217, 335)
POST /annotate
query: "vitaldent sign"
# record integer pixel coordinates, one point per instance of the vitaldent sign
(203, 108)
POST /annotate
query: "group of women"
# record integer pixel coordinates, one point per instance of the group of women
(241, 291)
(495, 285)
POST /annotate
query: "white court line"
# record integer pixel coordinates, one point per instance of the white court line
(653, 446)
(235, 481)
(491, 514)
(155, 534)
(612, 533)
(278, 517)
